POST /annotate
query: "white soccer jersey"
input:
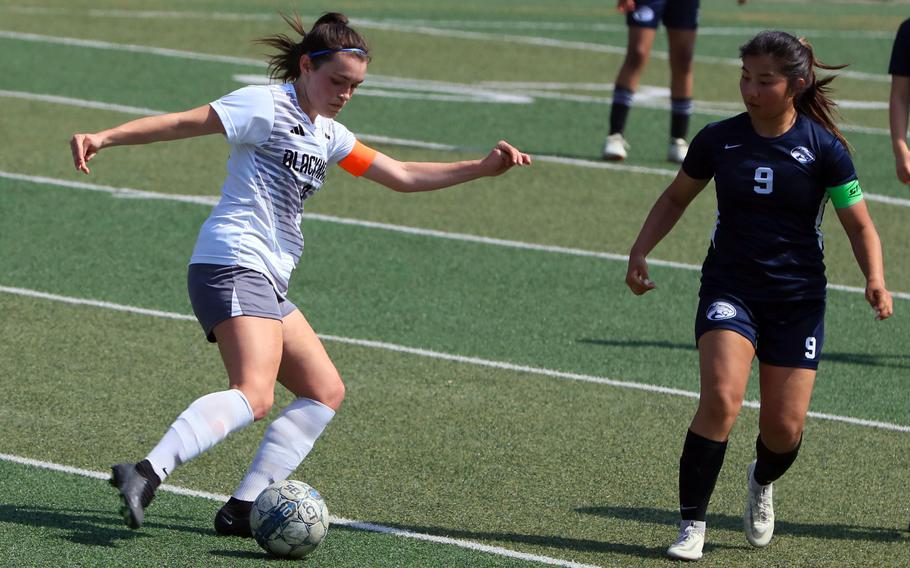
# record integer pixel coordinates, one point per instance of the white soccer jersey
(278, 159)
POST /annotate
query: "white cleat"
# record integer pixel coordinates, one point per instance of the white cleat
(615, 147)
(677, 151)
(689, 544)
(758, 520)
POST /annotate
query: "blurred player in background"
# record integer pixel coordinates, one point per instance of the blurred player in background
(899, 107)
(282, 137)
(680, 17)
(763, 282)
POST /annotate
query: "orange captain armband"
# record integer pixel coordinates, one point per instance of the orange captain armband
(359, 160)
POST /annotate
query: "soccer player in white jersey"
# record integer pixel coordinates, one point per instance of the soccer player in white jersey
(282, 137)
(762, 293)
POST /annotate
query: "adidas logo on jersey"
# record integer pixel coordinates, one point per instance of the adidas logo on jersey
(298, 130)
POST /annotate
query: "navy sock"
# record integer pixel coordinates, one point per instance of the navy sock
(770, 466)
(619, 111)
(699, 467)
(681, 110)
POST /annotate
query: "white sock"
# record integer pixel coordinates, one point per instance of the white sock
(207, 421)
(288, 439)
(700, 526)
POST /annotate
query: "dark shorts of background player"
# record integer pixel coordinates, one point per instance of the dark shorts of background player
(675, 14)
(218, 293)
(784, 334)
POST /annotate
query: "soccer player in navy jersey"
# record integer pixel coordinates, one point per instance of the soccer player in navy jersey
(763, 281)
(680, 17)
(899, 107)
(283, 137)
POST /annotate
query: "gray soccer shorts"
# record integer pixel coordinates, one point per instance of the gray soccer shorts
(221, 292)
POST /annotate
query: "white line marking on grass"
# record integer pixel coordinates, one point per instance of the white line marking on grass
(127, 193)
(432, 145)
(450, 357)
(97, 44)
(78, 102)
(524, 40)
(350, 523)
(499, 25)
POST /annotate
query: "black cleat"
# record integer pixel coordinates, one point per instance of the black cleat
(137, 489)
(233, 519)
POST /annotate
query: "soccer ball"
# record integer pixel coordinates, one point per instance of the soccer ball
(289, 519)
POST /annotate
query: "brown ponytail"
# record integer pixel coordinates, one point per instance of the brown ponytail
(797, 61)
(330, 33)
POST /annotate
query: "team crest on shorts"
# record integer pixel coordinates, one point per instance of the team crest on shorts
(720, 311)
(802, 155)
(643, 14)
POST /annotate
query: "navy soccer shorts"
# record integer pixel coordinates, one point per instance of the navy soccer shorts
(675, 14)
(784, 334)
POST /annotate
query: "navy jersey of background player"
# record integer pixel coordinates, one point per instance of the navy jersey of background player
(771, 195)
(900, 51)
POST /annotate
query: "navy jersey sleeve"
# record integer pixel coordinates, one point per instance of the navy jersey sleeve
(900, 53)
(838, 165)
(699, 163)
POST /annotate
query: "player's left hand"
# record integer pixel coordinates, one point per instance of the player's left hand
(502, 158)
(880, 300)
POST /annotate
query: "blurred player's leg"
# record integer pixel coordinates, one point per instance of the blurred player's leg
(637, 51)
(682, 50)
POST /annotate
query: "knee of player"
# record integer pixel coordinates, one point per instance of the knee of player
(334, 393)
(782, 434)
(636, 57)
(261, 404)
(721, 404)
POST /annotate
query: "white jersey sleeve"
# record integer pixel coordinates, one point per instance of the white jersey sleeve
(248, 114)
(342, 142)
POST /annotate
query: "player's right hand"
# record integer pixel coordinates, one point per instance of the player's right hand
(880, 300)
(637, 276)
(903, 168)
(84, 148)
(625, 6)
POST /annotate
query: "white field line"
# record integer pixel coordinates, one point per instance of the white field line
(350, 523)
(54, 99)
(456, 92)
(523, 40)
(129, 193)
(521, 93)
(499, 25)
(501, 365)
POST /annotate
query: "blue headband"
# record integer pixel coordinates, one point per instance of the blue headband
(356, 50)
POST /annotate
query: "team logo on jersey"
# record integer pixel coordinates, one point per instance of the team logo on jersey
(306, 164)
(802, 155)
(643, 14)
(720, 311)
(298, 130)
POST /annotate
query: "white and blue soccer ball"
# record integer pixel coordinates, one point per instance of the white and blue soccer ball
(289, 519)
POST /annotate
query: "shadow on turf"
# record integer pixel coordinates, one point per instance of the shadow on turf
(548, 541)
(728, 522)
(893, 360)
(634, 343)
(90, 527)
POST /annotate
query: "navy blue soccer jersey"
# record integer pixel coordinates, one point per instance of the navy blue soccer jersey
(900, 51)
(771, 195)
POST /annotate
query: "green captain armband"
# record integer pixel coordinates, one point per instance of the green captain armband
(846, 195)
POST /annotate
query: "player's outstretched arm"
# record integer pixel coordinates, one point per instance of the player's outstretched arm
(173, 126)
(426, 176)
(663, 216)
(867, 248)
